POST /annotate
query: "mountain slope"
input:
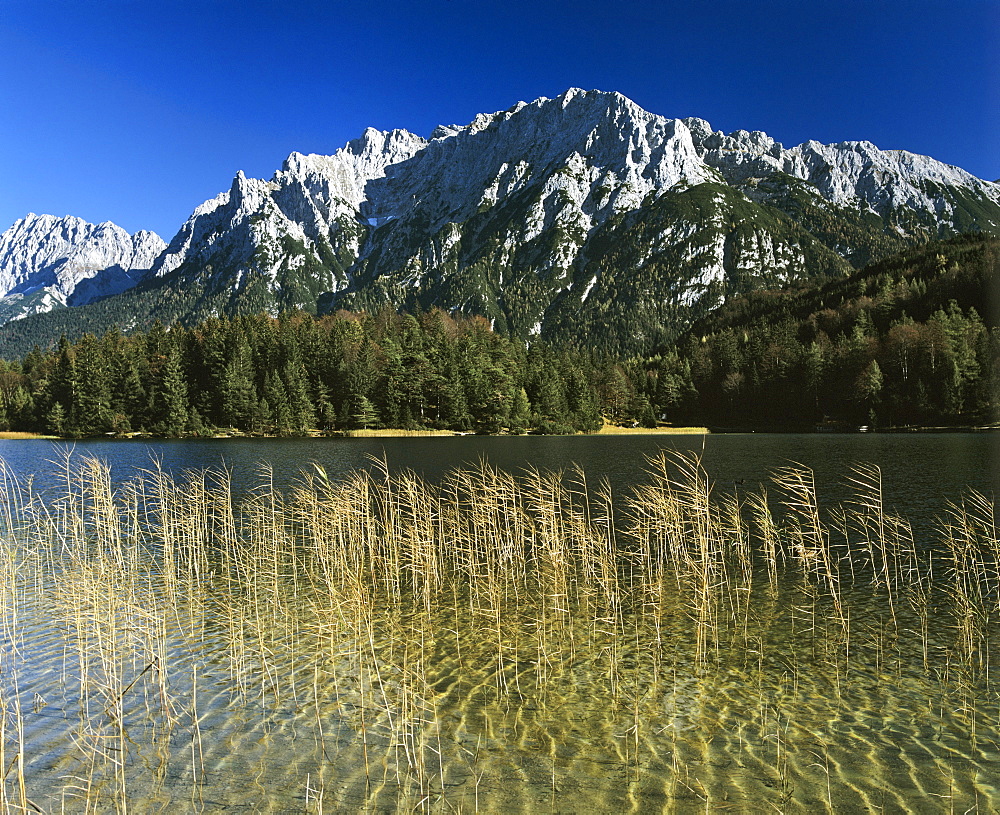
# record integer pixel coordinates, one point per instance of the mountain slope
(911, 339)
(559, 217)
(48, 262)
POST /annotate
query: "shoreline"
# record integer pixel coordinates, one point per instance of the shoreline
(615, 430)
(606, 430)
(387, 432)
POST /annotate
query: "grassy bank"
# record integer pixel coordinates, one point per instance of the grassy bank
(607, 430)
(616, 430)
(390, 432)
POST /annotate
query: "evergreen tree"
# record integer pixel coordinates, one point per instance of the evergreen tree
(55, 420)
(170, 407)
(128, 397)
(63, 387)
(92, 404)
(520, 412)
(276, 400)
(238, 396)
(363, 413)
(302, 415)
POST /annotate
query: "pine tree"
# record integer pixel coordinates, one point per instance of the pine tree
(93, 389)
(276, 399)
(170, 407)
(364, 414)
(55, 420)
(63, 387)
(520, 412)
(238, 397)
(128, 397)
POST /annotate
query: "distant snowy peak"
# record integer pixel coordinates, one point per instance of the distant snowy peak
(71, 260)
(364, 158)
(579, 143)
(541, 217)
(307, 200)
(344, 175)
(588, 154)
(516, 205)
(845, 173)
(321, 190)
(215, 224)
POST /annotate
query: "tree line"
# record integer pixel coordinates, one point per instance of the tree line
(298, 373)
(912, 340)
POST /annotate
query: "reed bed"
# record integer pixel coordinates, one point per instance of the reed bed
(494, 641)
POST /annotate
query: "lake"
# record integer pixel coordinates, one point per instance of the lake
(462, 640)
(919, 468)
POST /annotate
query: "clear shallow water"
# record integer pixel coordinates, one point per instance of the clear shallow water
(219, 690)
(280, 712)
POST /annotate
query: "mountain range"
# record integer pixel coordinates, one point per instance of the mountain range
(582, 218)
(48, 262)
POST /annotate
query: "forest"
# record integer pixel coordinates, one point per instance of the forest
(909, 341)
(297, 373)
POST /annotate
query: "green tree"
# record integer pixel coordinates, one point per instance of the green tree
(868, 390)
(520, 412)
(55, 420)
(128, 396)
(238, 401)
(275, 398)
(63, 386)
(364, 415)
(92, 408)
(170, 406)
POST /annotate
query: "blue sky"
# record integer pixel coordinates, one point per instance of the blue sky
(137, 112)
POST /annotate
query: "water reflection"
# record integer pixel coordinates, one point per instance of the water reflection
(920, 469)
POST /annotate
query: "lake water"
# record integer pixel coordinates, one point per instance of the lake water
(920, 470)
(497, 646)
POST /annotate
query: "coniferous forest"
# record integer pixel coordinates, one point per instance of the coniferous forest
(909, 341)
(296, 373)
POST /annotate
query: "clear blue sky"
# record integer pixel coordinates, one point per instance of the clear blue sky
(137, 112)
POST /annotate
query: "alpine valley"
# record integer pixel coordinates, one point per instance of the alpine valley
(581, 219)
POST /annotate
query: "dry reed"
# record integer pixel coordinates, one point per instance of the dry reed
(367, 600)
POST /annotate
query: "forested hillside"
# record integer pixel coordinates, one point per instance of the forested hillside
(911, 340)
(580, 220)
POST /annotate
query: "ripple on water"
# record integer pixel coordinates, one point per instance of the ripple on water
(439, 710)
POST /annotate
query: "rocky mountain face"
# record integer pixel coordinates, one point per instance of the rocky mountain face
(581, 217)
(46, 262)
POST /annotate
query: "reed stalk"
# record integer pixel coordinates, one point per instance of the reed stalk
(343, 595)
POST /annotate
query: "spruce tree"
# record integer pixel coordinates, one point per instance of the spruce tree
(170, 407)
(92, 408)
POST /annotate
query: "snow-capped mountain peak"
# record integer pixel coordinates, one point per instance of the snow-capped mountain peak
(848, 173)
(47, 261)
(560, 210)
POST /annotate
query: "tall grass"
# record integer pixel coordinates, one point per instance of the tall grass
(405, 632)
